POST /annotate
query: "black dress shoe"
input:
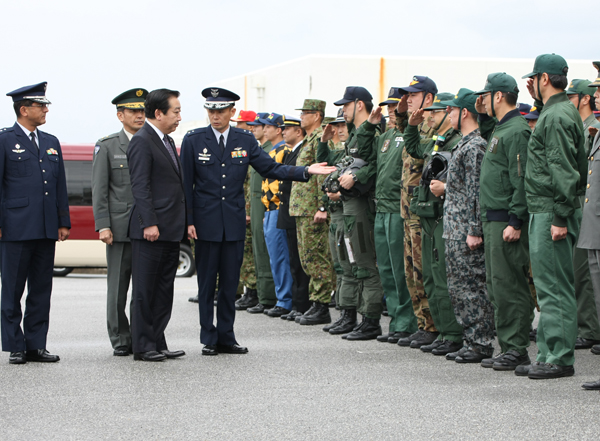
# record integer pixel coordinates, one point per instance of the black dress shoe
(383, 338)
(17, 358)
(544, 371)
(193, 299)
(291, 317)
(396, 336)
(447, 347)
(511, 360)
(121, 351)
(41, 355)
(585, 343)
(259, 308)
(149, 356)
(210, 350)
(285, 316)
(232, 349)
(436, 344)
(426, 338)
(595, 349)
(277, 311)
(592, 385)
(172, 354)
(405, 341)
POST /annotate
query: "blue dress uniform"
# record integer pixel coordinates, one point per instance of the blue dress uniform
(213, 185)
(34, 205)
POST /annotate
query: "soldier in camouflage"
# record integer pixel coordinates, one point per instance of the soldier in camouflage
(311, 220)
(465, 257)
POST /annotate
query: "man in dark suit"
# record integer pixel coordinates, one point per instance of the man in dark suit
(112, 201)
(34, 214)
(215, 160)
(157, 224)
(293, 135)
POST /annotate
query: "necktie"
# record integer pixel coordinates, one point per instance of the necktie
(171, 152)
(222, 144)
(33, 139)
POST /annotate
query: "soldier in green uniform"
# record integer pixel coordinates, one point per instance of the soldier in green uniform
(112, 200)
(505, 218)
(361, 285)
(554, 177)
(588, 329)
(389, 225)
(421, 93)
(430, 210)
(311, 220)
(265, 285)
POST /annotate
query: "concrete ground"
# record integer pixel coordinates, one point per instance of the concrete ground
(296, 383)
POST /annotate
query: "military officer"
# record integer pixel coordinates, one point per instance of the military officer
(112, 200)
(430, 210)
(505, 219)
(588, 329)
(215, 160)
(553, 179)
(34, 214)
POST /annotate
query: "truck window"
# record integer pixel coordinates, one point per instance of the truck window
(79, 182)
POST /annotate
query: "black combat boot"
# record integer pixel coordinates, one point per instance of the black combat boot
(368, 330)
(347, 325)
(337, 322)
(320, 317)
(311, 311)
(248, 300)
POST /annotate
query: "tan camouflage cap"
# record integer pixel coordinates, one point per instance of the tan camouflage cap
(311, 104)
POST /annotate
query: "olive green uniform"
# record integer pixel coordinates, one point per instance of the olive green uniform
(264, 278)
(389, 225)
(362, 290)
(503, 203)
(554, 178)
(430, 210)
(247, 271)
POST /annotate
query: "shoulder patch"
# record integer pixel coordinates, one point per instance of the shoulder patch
(96, 149)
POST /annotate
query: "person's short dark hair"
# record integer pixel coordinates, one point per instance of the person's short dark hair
(158, 100)
(511, 98)
(473, 116)
(593, 102)
(368, 106)
(18, 104)
(558, 81)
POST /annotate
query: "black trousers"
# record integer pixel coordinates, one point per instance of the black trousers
(225, 259)
(154, 265)
(300, 299)
(30, 261)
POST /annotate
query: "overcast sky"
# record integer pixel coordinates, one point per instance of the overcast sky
(90, 51)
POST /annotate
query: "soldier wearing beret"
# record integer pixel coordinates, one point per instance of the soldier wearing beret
(554, 177)
(112, 200)
(505, 218)
(588, 328)
(34, 215)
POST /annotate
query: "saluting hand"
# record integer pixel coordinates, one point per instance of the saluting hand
(106, 236)
(328, 133)
(416, 117)
(479, 106)
(375, 116)
(403, 104)
(531, 89)
(151, 233)
(63, 234)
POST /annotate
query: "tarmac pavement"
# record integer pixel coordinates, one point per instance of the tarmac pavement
(296, 383)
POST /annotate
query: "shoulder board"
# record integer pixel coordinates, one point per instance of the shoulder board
(195, 131)
(111, 136)
(243, 131)
(6, 130)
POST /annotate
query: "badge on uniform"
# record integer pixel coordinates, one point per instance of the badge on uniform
(18, 149)
(96, 150)
(204, 156)
(52, 152)
(385, 146)
(493, 146)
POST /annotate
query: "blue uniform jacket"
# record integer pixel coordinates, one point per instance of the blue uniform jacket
(213, 184)
(33, 194)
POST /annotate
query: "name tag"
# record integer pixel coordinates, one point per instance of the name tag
(493, 148)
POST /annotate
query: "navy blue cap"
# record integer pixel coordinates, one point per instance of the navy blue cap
(394, 96)
(421, 84)
(273, 119)
(35, 92)
(354, 93)
(524, 108)
(256, 121)
(533, 114)
(217, 98)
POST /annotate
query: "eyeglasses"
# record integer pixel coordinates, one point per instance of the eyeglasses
(41, 106)
(307, 112)
(485, 95)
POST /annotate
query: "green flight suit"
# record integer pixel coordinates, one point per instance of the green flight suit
(363, 289)
(264, 277)
(389, 225)
(554, 177)
(502, 200)
(430, 210)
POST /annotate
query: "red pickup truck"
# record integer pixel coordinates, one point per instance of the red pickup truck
(83, 249)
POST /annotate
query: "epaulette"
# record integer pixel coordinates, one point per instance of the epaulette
(111, 136)
(195, 131)
(6, 130)
(243, 131)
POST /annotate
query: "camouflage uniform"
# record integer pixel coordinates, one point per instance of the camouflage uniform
(305, 200)
(412, 169)
(465, 268)
(248, 270)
